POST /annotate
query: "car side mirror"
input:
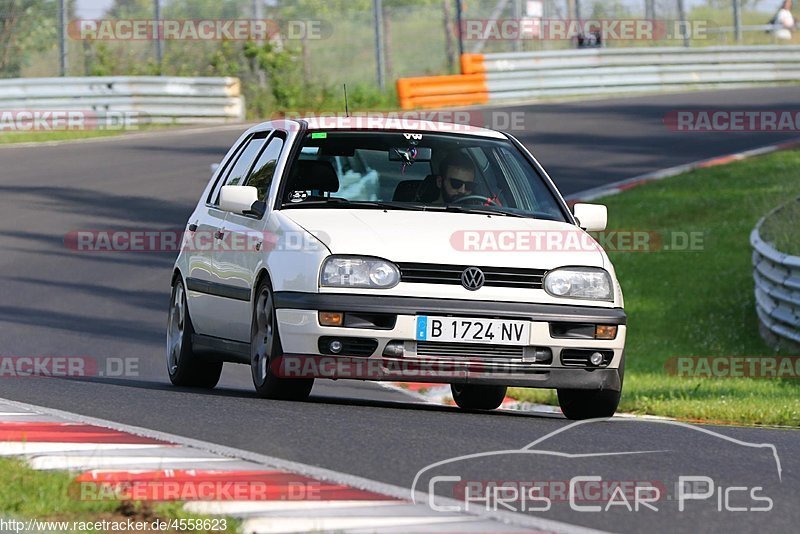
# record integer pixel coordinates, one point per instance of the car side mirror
(591, 217)
(239, 199)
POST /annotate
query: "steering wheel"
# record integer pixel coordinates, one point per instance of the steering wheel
(481, 198)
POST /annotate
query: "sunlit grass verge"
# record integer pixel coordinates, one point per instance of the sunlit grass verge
(45, 495)
(699, 303)
(39, 136)
(54, 135)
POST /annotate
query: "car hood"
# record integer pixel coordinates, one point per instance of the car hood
(450, 238)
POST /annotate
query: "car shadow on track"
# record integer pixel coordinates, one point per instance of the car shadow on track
(314, 399)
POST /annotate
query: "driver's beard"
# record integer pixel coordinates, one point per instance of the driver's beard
(448, 198)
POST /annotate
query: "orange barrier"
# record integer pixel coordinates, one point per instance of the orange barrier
(436, 91)
(472, 64)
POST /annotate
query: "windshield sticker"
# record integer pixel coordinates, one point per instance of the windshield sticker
(298, 196)
(319, 135)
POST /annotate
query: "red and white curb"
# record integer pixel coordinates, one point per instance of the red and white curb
(630, 183)
(270, 495)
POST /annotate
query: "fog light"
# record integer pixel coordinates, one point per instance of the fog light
(394, 349)
(335, 346)
(604, 331)
(331, 318)
(596, 358)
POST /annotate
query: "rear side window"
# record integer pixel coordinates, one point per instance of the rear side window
(264, 169)
(244, 161)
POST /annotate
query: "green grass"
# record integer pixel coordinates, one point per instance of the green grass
(46, 495)
(780, 228)
(699, 303)
(55, 135)
(39, 136)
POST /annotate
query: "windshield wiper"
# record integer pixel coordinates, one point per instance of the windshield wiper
(479, 211)
(390, 205)
(449, 207)
(320, 202)
(376, 204)
(343, 202)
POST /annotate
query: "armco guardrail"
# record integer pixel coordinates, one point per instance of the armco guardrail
(777, 286)
(152, 98)
(531, 75)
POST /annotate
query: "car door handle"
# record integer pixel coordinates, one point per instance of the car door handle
(193, 227)
(219, 234)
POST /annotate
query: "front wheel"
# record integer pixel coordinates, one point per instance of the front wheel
(478, 397)
(185, 368)
(265, 349)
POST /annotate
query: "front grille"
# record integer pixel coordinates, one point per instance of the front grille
(434, 349)
(434, 273)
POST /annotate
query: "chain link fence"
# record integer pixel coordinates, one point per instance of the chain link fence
(366, 44)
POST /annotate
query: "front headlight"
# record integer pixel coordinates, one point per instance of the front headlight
(579, 283)
(354, 271)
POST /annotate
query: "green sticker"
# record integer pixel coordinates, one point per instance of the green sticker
(319, 135)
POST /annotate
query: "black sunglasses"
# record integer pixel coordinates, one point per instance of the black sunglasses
(458, 184)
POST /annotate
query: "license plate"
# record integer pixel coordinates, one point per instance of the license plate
(468, 330)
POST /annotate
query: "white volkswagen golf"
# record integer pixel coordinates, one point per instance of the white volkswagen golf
(424, 252)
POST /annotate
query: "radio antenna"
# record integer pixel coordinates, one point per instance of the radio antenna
(346, 107)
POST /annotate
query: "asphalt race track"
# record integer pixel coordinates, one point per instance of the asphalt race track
(111, 305)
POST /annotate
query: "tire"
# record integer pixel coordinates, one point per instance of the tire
(184, 367)
(477, 397)
(265, 346)
(578, 404)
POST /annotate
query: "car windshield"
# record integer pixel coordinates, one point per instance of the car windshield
(417, 171)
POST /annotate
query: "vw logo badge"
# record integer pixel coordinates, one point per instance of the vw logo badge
(472, 278)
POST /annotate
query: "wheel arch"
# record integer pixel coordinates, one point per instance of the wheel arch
(176, 274)
(263, 274)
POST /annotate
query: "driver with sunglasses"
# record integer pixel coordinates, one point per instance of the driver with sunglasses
(456, 177)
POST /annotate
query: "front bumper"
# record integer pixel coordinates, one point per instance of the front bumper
(300, 334)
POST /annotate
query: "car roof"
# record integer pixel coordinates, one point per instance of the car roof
(395, 122)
